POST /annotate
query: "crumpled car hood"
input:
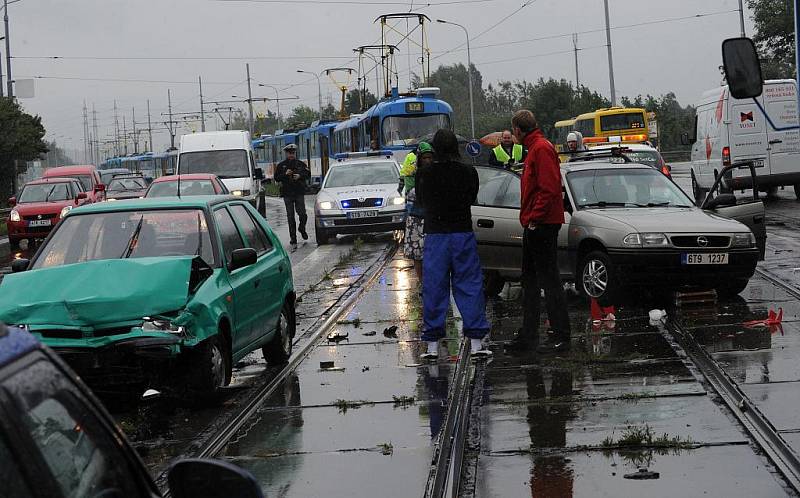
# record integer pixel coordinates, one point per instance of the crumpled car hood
(96, 292)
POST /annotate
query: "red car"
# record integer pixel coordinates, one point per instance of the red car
(40, 206)
(87, 175)
(191, 184)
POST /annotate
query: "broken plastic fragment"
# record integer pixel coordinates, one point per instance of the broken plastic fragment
(643, 474)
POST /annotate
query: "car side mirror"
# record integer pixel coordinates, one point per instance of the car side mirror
(12, 201)
(194, 477)
(742, 68)
(99, 188)
(720, 201)
(240, 258)
(258, 173)
(80, 197)
(19, 265)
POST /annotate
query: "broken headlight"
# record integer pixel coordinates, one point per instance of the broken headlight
(161, 325)
(744, 239)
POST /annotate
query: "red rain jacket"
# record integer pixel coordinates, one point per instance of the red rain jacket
(542, 202)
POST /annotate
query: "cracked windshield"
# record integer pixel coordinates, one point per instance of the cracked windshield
(459, 248)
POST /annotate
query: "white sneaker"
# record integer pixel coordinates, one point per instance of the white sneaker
(482, 354)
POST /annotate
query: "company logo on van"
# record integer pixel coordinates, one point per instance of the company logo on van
(747, 116)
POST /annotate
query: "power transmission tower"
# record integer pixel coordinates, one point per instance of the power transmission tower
(135, 135)
(86, 158)
(202, 115)
(116, 131)
(170, 124)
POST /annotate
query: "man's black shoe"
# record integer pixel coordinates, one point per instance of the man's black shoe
(554, 344)
(303, 233)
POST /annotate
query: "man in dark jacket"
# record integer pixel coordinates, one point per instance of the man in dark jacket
(446, 191)
(541, 215)
(293, 174)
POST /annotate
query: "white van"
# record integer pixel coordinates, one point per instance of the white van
(729, 130)
(227, 154)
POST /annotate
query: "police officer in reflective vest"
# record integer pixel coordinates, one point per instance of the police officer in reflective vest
(507, 154)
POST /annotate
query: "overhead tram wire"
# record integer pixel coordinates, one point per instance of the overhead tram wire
(359, 2)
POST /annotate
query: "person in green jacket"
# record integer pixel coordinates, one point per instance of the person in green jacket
(414, 239)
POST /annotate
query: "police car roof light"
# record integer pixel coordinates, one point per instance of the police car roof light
(341, 156)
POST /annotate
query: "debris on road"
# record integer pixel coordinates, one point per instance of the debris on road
(390, 332)
(642, 474)
(338, 337)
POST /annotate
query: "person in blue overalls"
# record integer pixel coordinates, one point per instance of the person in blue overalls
(446, 191)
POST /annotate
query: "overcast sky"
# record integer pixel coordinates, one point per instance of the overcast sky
(124, 39)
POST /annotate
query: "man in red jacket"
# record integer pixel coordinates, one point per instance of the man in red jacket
(541, 214)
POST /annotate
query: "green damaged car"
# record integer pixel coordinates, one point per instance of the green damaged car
(163, 293)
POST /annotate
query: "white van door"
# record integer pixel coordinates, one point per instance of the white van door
(747, 132)
(780, 101)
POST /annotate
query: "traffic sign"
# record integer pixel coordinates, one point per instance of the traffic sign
(473, 148)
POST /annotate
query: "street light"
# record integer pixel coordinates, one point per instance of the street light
(319, 89)
(469, 75)
(9, 81)
(277, 101)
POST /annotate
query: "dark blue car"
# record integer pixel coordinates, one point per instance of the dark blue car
(57, 440)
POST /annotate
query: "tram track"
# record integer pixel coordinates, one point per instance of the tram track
(444, 478)
(218, 440)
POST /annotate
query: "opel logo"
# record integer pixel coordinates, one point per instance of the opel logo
(702, 241)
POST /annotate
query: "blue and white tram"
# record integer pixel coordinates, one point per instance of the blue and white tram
(397, 123)
(269, 151)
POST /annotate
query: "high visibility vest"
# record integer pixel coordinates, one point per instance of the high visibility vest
(502, 156)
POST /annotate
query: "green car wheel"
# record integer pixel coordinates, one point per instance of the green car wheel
(279, 349)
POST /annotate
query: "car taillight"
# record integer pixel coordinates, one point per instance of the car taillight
(726, 156)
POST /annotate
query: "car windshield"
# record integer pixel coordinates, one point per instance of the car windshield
(127, 234)
(86, 181)
(617, 187)
(351, 175)
(188, 187)
(411, 129)
(123, 184)
(223, 163)
(46, 192)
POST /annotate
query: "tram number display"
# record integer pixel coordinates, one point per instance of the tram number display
(415, 107)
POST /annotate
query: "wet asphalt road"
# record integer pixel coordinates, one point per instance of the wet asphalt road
(553, 427)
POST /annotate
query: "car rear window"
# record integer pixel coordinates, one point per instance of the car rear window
(188, 188)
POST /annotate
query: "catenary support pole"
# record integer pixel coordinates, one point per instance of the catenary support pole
(610, 57)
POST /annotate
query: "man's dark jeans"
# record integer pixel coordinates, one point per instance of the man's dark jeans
(295, 203)
(540, 271)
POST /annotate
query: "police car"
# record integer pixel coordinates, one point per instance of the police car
(359, 195)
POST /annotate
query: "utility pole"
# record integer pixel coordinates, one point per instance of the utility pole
(741, 18)
(170, 124)
(124, 136)
(150, 128)
(249, 101)
(202, 115)
(85, 135)
(1, 71)
(575, 46)
(116, 131)
(610, 58)
(96, 138)
(9, 81)
(135, 135)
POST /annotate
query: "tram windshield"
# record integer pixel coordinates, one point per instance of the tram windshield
(411, 129)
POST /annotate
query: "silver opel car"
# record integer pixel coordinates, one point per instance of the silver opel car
(626, 226)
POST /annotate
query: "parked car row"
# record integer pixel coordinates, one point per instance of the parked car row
(42, 203)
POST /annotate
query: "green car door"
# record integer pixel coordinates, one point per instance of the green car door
(246, 283)
(270, 266)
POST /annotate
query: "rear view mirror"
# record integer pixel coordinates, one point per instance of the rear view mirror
(99, 188)
(19, 264)
(742, 68)
(258, 174)
(195, 477)
(720, 201)
(240, 258)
